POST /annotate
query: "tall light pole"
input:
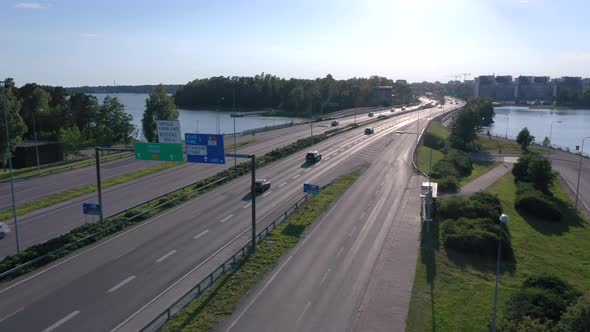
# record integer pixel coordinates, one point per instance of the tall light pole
(8, 155)
(234, 110)
(36, 143)
(550, 132)
(580, 169)
(503, 220)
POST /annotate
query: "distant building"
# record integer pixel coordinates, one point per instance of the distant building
(585, 84)
(401, 82)
(570, 84)
(521, 89)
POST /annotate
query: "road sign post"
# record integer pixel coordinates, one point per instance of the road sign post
(92, 209)
(98, 182)
(169, 131)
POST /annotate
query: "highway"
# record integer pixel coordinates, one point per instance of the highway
(120, 283)
(568, 164)
(44, 224)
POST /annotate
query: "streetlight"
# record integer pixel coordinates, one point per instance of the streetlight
(580, 169)
(36, 143)
(218, 123)
(503, 220)
(550, 132)
(234, 110)
(8, 155)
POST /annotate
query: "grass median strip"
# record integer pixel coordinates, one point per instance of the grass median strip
(231, 147)
(77, 192)
(221, 300)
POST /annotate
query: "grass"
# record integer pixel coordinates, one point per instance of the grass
(501, 146)
(238, 145)
(424, 158)
(454, 292)
(221, 300)
(438, 130)
(479, 168)
(62, 167)
(77, 192)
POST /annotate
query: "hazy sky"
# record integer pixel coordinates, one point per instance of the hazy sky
(82, 42)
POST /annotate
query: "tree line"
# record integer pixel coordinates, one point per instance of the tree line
(298, 97)
(572, 98)
(77, 119)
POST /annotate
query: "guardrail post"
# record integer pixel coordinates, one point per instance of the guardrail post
(168, 314)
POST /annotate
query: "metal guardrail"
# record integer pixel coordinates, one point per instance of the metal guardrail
(230, 264)
(67, 168)
(267, 128)
(105, 230)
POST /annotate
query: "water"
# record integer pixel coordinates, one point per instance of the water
(575, 125)
(191, 121)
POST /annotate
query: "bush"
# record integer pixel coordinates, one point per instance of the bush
(533, 202)
(474, 236)
(444, 169)
(575, 318)
(448, 184)
(480, 205)
(460, 160)
(433, 142)
(554, 285)
(536, 304)
(520, 170)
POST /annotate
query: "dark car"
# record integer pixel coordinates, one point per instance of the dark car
(335, 123)
(262, 185)
(370, 115)
(313, 157)
(369, 131)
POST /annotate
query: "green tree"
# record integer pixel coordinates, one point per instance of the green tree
(113, 124)
(464, 133)
(70, 138)
(525, 139)
(541, 174)
(83, 109)
(159, 106)
(16, 124)
(546, 141)
(575, 318)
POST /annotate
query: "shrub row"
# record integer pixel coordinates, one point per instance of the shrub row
(447, 171)
(480, 205)
(546, 303)
(534, 202)
(117, 223)
(475, 236)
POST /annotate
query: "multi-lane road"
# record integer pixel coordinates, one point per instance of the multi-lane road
(47, 223)
(122, 282)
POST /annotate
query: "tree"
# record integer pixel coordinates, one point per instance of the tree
(465, 131)
(575, 318)
(70, 138)
(83, 109)
(541, 174)
(159, 106)
(546, 141)
(16, 125)
(525, 139)
(113, 124)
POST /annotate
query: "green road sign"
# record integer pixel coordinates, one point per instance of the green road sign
(160, 152)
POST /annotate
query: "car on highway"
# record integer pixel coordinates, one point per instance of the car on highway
(392, 110)
(439, 106)
(313, 157)
(262, 185)
(3, 230)
(370, 115)
(335, 123)
(403, 108)
(369, 131)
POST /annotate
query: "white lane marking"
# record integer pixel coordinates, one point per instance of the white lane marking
(325, 276)
(327, 158)
(247, 205)
(307, 170)
(123, 254)
(12, 314)
(61, 321)
(303, 312)
(121, 284)
(201, 234)
(226, 218)
(339, 251)
(266, 193)
(296, 176)
(159, 260)
(282, 184)
(341, 150)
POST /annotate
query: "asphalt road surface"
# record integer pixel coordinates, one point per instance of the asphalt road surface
(122, 282)
(568, 165)
(44, 224)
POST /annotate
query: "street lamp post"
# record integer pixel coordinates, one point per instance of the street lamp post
(580, 169)
(36, 143)
(8, 155)
(551, 132)
(503, 220)
(234, 110)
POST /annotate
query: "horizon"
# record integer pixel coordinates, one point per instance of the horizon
(72, 44)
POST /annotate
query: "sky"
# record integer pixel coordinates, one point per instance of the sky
(83, 42)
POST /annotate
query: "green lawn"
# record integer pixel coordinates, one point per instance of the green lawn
(454, 292)
(438, 130)
(424, 158)
(63, 167)
(221, 300)
(502, 146)
(479, 168)
(77, 192)
(239, 145)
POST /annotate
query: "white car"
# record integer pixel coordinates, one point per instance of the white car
(3, 230)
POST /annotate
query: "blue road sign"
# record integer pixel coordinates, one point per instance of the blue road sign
(90, 208)
(204, 148)
(311, 188)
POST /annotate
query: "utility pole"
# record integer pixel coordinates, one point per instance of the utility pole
(234, 110)
(253, 193)
(98, 182)
(36, 143)
(9, 156)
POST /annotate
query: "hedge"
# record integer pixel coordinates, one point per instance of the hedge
(535, 203)
(475, 236)
(480, 205)
(448, 184)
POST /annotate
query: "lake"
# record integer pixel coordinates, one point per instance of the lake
(575, 125)
(192, 121)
